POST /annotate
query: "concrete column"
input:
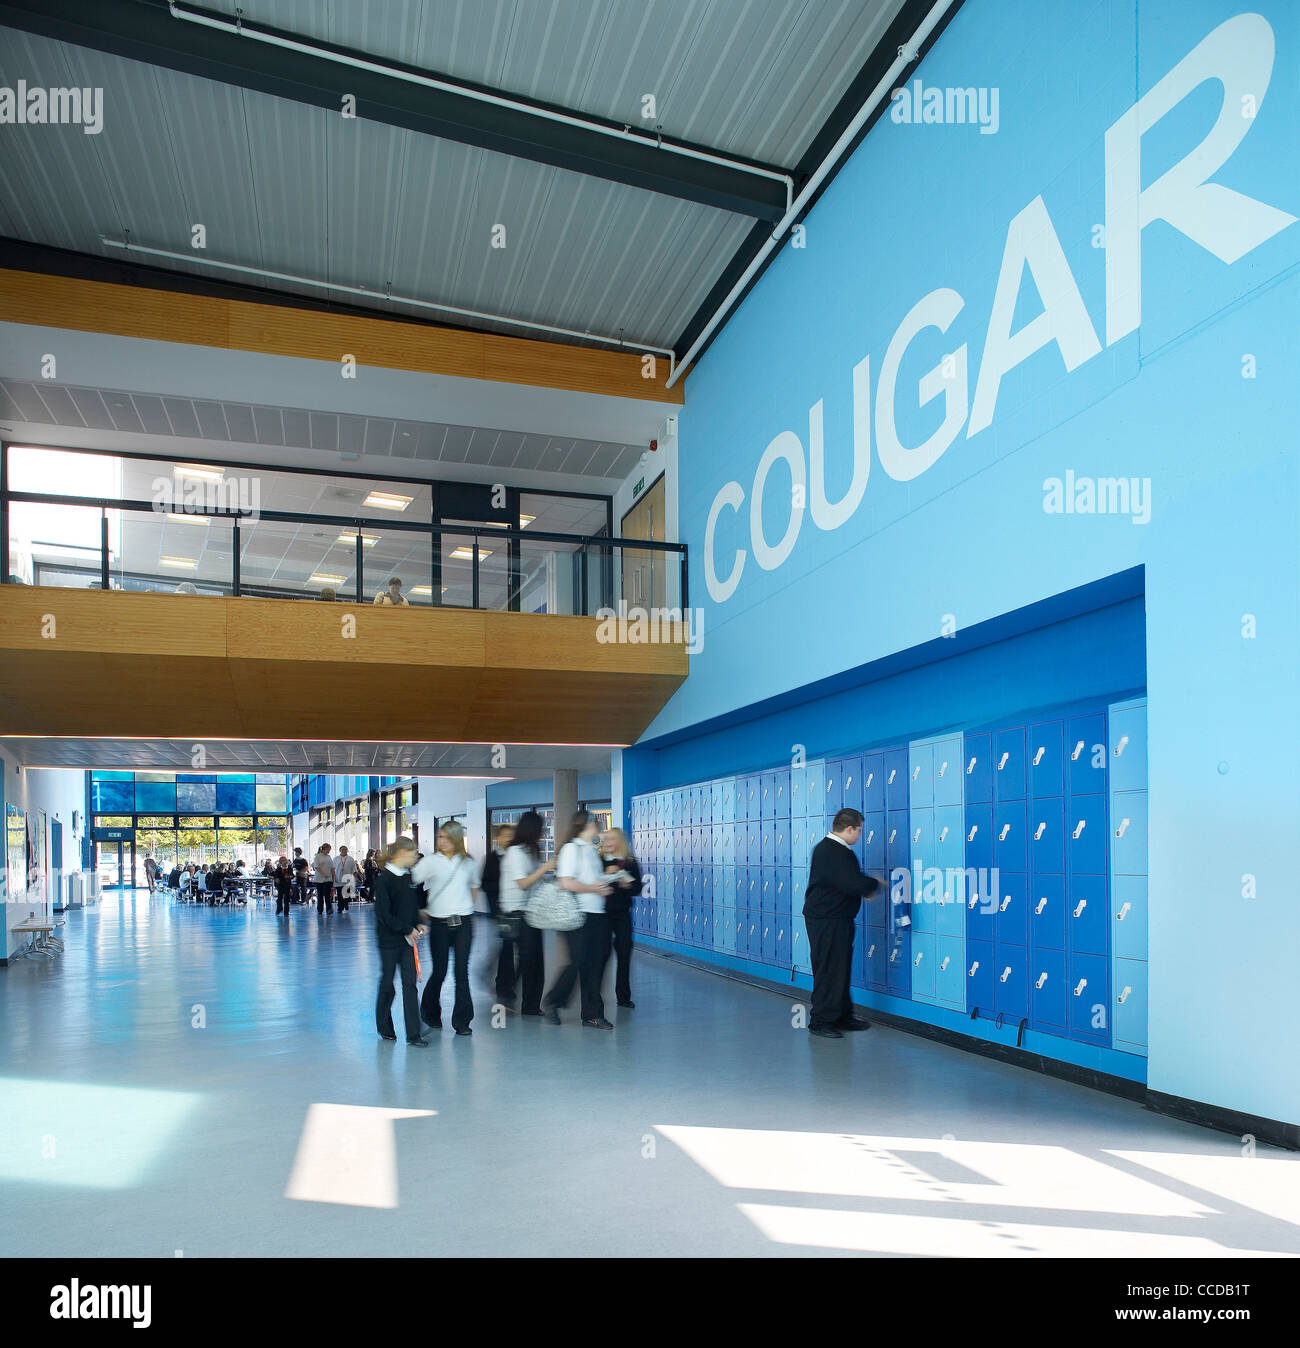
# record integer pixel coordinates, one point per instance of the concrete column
(565, 795)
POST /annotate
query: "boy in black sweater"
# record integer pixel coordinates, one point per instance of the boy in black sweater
(836, 888)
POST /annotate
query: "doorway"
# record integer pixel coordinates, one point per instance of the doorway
(115, 864)
(645, 574)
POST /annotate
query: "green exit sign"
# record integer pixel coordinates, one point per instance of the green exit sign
(636, 491)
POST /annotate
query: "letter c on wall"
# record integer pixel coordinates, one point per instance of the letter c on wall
(789, 447)
(731, 494)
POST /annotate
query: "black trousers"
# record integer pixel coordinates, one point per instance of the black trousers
(391, 959)
(282, 897)
(507, 969)
(620, 932)
(588, 954)
(324, 896)
(445, 940)
(830, 943)
(532, 969)
(300, 884)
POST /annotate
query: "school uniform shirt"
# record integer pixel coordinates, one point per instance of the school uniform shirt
(343, 867)
(517, 863)
(447, 883)
(397, 906)
(324, 865)
(836, 883)
(579, 860)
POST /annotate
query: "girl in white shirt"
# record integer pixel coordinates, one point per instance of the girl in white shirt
(450, 882)
(521, 868)
(578, 869)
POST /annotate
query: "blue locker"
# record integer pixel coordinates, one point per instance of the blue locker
(727, 800)
(950, 972)
(1088, 921)
(1128, 907)
(781, 842)
(977, 769)
(1047, 836)
(800, 960)
(814, 789)
(873, 782)
(920, 776)
(706, 885)
(897, 841)
(755, 827)
(981, 909)
(767, 797)
(740, 799)
(876, 907)
(1010, 836)
(898, 965)
(1086, 849)
(1011, 925)
(767, 895)
(1085, 754)
(784, 890)
(1128, 830)
(850, 771)
(858, 964)
(754, 894)
(1009, 763)
(832, 786)
(754, 934)
(1128, 748)
(873, 841)
(920, 825)
(1047, 912)
(874, 957)
(897, 795)
(947, 759)
(979, 975)
(924, 891)
(799, 848)
(781, 786)
(783, 941)
(923, 966)
(1047, 991)
(950, 919)
(721, 838)
(1129, 1003)
(949, 840)
(1011, 980)
(979, 836)
(1046, 769)
(767, 843)
(798, 792)
(1088, 998)
(768, 950)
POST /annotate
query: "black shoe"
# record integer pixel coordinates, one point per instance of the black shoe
(530, 1013)
(628, 1006)
(854, 1024)
(417, 1043)
(465, 1031)
(550, 1015)
(599, 1024)
(829, 1032)
(433, 1024)
(392, 1038)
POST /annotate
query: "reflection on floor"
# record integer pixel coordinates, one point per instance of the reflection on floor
(209, 1081)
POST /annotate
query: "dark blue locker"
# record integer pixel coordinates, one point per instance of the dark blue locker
(767, 843)
(833, 792)
(977, 769)
(706, 886)
(1047, 836)
(1088, 921)
(767, 797)
(768, 951)
(1085, 751)
(897, 841)
(1046, 771)
(1011, 981)
(873, 841)
(781, 787)
(782, 842)
(782, 941)
(979, 975)
(979, 837)
(1011, 925)
(851, 783)
(1088, 998)
(754, 898)
(1047, 990)
(755, 842)
(897, 792)
(754, 934)
(982, 901)
(873, 782)
(874, 956)
(1010, 836)
(782, 878)
(876, 907)
(1047, 912)
(1009, 763)
(767, 899)
(898, 965)
(706, 845)
(1087, 848)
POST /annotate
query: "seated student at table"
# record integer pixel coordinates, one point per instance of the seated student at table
(393, 594)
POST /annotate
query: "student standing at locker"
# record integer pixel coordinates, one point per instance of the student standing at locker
(450, 882)
(836, 888)
(616, 853)
(521, 868)
(578, 869)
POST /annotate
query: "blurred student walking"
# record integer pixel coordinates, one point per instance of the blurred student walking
(490, 883)
(616, 853)
(323, 870)
(397, 928)
(578, 869)
(449, 882)
(521, 868)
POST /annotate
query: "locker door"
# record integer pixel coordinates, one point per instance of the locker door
(897, 795)
(729, 800)
(781, 783)
(1087, 998)
(1047, 991)
(920, 776)
(1047, 912)
(979, 975)
(873, 841)
(800, 960)
(1128, 748)
(1009, 763)
(981, 908)
(767, 796)
(897, 841)
(1047, 836)
(783, 935)
(767, 843)
(949, 839)
(1011, 925)
(1129, 1005)
(798, 792)
(950, 972)
(767, 896)
(1010, 836)
(921, 838)
(947, 762)
(832, 787)
(1011, 980)
(768, 952)
(873, 958)
(1088, 919)
(754, 935)
(977, 768)
(1085, 754)
(1086, 849)
(898, 965)
(781, 842)
(924, 887)
(1128, 908)
(851, 783)
(858, 963)
(781, 876)
(1046, 772)
(873, 782)
(1128, 830)
(814, 789)
(979, 836)
(950, 919)
(923, 967)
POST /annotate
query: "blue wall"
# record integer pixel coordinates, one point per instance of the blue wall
(512, 795)
(1200, 398)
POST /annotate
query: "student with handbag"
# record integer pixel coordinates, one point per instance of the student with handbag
(521, 868)
(449, 880)
(578, 870)
(397, 928)
(625, 872)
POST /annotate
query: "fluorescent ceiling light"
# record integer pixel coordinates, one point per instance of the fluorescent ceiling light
(197, 470)
(368, 540)
(320, 578)
(388, 500)
(184, 563)
(467, 554)
(189, 519)
(526, 520)
(421, 589)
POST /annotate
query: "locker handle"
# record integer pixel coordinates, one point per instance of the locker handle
(970, 767)
(871, 950)
(944, 834)
(1042, 903)
(1003, 762)
(893, 955)
(871, 777)
(1042, 978)
(1006, 903)
(1079, 987)
(893, 833)
(1082, 824)
(1005, 974)
(974, 899)
(1002, 837)
(1042, 828)
(1078, 749)
(917, 961)
(974, 829)
(970, 973)
(1123, 997)
(943, 767)
(916, 836)
(947, 960)
(1119, 748)
(1080, 906)
(916, 772)
(893, 772)
(1123, 828)
(871, 835)
(848, 781)
(1038, 757)
(1123, 912)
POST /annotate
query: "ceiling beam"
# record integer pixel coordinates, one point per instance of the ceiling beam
(144, 30)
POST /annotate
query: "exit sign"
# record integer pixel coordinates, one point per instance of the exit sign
(636, 491)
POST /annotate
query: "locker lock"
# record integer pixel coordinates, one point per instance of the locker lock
(974, 829)
(871, 835)
(893, 772)
(1005, 974)
(970, 767)
(893, 955)
(1002, 837)
(1006, 903)
(916, 772)
(871, 777)
(1123, 828)
(1080, 906)
(947, 960)
(1038, 757)
(1080, 826)
(1042, 978)
(974, 899)
(893, 833)
(1078, 749)
(848, 781)
(943, 767)
(1119, 748)
(1123, 912)
(871, 950)
(916, 837)
(1079, 986)
(917, 960)
(944, 834)
(1123, 997)
(1042, 903)
(1038, 833)
(1002, 762)
(971, 970)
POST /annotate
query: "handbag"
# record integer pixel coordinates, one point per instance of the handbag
(552, 908)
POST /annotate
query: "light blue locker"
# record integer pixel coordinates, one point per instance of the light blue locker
(950, 919)
(798, 792)
(814, 789)
(832, 786)
(781, 793)
(767, 950)
(1085, 754)
(920, 775)
(1128, 908)
(727, 800)
(1129, 1003)
(1047, 912)
(950, 972)
(1128, 833)
(1046, 765)
(767, 843)
(1128, 746)
(784, 889)
(949, 842)
(799, 851)
(783, 941)
(924, 891)
(767, 796)
(1047, 836)
(800, 959)
(947, 770)
(1047, 991)
(921, 838)
(873, 782)
(923, 966)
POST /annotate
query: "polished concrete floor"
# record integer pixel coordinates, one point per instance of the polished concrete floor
(209, 1082)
